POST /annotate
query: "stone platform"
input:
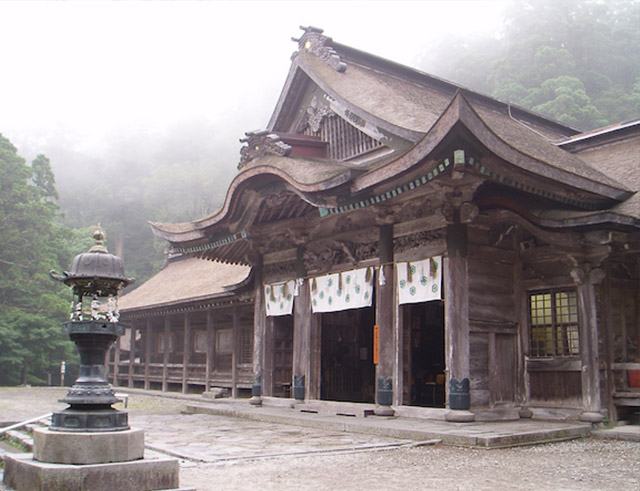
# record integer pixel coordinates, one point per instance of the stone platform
(474, 434)
(22, 472)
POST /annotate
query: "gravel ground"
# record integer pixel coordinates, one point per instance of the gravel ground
(586, 464)
(576, 465)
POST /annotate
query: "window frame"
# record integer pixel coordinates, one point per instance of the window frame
(563, 333)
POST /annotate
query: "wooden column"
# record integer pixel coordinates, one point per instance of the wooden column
(456, 298)
(301, 342)
(132, 353)
(186, 352)
(210, 352)
(235, 356)
(385, 303)
(586, 279)
(116, 363)
(268, 339)
(259, 324)
(147, 353)
(165, 352)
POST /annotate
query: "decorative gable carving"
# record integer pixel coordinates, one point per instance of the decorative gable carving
(314, 42)
(259, 144)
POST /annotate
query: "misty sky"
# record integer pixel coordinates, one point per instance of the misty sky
(87, 70)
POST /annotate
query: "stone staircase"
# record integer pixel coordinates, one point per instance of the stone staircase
(20, 439)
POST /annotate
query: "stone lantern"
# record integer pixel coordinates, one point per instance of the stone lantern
(96, 278)
(90, 446)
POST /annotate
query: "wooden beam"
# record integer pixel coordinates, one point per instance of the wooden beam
(586, 278)
(385, 322)
(116, 363)
(165, 353)
(147, 352)
(235, 356)
(186, 351)
(456, 283)
(209, 363)
(132, 353)
(259, 323)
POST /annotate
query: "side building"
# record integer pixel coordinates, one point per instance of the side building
(188, 327)
(410, 244)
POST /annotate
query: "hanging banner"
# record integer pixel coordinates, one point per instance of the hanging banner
(420, 281)
(342, 291)
(278, 298)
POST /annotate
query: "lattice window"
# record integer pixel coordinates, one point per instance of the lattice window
(553, 321)
(345, 141)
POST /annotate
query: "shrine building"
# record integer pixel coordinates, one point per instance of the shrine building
(395, 240)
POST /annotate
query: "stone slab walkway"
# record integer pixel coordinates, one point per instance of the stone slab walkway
(476, 434)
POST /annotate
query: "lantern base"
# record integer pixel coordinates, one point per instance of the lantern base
(75, 419)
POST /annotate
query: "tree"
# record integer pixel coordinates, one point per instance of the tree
(32, 242)
(573, 60)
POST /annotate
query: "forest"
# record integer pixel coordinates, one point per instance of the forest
(577, 62)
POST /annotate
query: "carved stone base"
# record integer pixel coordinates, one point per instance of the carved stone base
(525, 413)
(255, 401)
(454, 416)
(384, 411)
(591, 417)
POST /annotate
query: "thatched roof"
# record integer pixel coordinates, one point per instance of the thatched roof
(185, 279)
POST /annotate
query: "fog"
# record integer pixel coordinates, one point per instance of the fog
(89, 83)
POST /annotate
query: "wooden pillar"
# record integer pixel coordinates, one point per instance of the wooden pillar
(186, 352)
(116, 362)
(210, 352)
(268, 339)
(147, 353)
(301, 342)
(259, 325)
(235, 356)
(385, 324)
(456, 299)
(586, 279)
(165, 352)
(132, 353)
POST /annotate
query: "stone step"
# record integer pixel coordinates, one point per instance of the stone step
(476, 434)
(21, 438)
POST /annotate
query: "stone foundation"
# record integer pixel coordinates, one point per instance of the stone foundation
(23, 473)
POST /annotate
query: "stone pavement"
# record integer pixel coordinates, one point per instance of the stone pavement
(476, 434)
(207, 438)
(630, 433)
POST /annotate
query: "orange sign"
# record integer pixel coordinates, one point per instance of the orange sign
(376, 344)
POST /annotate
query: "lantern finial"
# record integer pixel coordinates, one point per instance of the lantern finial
(100, 237)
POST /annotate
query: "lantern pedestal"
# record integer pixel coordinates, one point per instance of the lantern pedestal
(22, 472)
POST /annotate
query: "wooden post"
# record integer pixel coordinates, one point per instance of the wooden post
(456, 298)
(165, 353)
(259, 324)
(132, 353)
(301, 343)
(235, 356)
(268, 339)
(116, 363)
(210, 352)
(186, 352)
(147, 353)
(385, 301)
(586, 278)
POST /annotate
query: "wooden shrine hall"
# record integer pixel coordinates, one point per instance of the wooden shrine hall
(392, 238)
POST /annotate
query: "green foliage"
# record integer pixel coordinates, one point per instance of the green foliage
(32, 242)
(576, 61)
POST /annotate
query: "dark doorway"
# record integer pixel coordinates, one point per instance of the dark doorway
(423, 354)
(348, 371)
(282, 355)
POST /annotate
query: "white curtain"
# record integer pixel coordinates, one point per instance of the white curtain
(342, 291)
(278, 297)
(419, 281)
